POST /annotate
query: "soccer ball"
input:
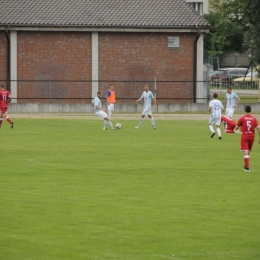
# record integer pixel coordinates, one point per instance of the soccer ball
(118, 125)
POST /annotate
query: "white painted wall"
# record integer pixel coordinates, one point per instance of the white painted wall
(201, 89)
(94, 64)
(13, 71)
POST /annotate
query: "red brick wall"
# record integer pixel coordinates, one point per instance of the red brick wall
(145, 54)
(3, 56)
(122, 56)
(56, 55)
(142, 56)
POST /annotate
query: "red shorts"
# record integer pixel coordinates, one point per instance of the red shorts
(230, 128)
(3, 109)
(246, 143)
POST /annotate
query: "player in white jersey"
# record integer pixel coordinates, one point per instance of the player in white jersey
(101, 112)
(147, 96)
(215, 109)
(231, 102)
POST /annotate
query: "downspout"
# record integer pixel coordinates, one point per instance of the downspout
(8, 59)
(195, 68)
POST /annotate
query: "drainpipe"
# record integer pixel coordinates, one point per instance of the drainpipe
(195, 68)
(8, 59)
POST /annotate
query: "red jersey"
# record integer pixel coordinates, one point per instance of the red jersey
(4, 97)
(227, 120)
(248, 123)
(229, 124)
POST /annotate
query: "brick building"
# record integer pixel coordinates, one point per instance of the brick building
(80, 46)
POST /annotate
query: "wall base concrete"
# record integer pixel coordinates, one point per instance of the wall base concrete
(120, 108)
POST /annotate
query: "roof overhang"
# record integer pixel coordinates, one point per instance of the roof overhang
(105, 29)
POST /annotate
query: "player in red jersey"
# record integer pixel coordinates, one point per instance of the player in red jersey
(230, 125)
(247, 124)
(5, 98)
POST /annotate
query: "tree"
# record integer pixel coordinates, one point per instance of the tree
(251, 16)
(235, 27)
(224, 37)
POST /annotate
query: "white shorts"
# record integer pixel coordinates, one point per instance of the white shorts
(216, 121)
(101, 114)
(230, 111)
(111, 107)
(147, 111)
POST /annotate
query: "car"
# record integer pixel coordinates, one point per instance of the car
(226, 76)
(251, 78)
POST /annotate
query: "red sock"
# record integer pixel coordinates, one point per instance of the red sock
(8, 120)
(246, 160)
(1, 121)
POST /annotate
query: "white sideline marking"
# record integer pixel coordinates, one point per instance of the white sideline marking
(165, 256)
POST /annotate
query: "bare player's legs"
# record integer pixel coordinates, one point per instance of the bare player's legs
(5, 116)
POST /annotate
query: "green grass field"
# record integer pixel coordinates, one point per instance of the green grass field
(70, 190)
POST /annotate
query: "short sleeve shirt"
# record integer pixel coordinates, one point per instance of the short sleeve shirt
(216, 107)
(147, 97)
(248, 123)
(228, 120)
(4, 96)
(97, 102)
(231, 99)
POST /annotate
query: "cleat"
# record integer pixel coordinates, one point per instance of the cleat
(237, 132)
(12, 125)
(212, 135)
(104, 128)
(137, 127)
(153, 127)
(246, 169)
(220, 138)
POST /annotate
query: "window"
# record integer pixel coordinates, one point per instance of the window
(198, 6)
(173, 42)
(233, 72)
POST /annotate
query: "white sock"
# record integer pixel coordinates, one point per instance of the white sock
(211, 129)
(219, 132)
(110, 124)
(152, 121)
(141, 122)
(105, 123)
(109, 113)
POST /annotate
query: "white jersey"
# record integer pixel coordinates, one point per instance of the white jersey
(216, 108)
(97, 102)
(147, 97)
(231, 99)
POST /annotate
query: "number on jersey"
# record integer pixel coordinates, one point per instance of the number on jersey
(4, 96)
(248, 123)
(216, 106)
